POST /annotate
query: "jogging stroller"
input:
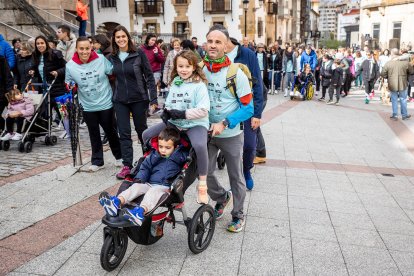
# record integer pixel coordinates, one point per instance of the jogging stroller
(200, 227)
(39, 125)
(302, 91)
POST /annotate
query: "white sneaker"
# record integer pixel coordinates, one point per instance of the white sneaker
(7, 136)
(118, 163)
(291, 93)
(17, 137)
(83, 125)
(94, 168)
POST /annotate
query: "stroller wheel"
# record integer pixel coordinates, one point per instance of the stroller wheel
(221, 161)
(201, 229)
(6, 145)
(47, 140)
(20, 146)
(28, 146)
(1, 144)
(53, 140)
(113, 250)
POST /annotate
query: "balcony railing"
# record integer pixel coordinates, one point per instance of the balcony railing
(272, 8)
(149, 7)
(217, 6)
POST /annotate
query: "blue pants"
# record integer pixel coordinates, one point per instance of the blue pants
(278, 78)
(249, 146)
(82, 28)
(403, 102)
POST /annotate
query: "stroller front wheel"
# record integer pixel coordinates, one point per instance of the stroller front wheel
(6, 145)
(113, 250)
(201, 229)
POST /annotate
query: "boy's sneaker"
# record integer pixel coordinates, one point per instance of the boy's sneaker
(337, 103)
(7, 136)
(118, 163)
(394, 117)
(406, 117)
(136, 215)
(321, 99)
(236, 225)
(219, 208)
(249, 181)
(17, 137)
(111, 204)
(95, 168)
(330, 102)
(123, 173)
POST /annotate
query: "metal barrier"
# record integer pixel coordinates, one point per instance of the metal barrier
(16, 30)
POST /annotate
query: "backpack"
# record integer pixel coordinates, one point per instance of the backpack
(231, 76)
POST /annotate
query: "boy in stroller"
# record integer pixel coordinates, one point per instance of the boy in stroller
(153, 179)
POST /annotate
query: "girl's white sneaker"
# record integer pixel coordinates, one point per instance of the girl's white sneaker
(17, 137)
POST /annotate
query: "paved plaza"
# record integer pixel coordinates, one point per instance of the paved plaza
(335, 197)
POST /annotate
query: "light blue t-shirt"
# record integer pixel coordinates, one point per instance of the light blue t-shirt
(189, 95)
(40, 67)
(233, 54)
(222, 102)
(289, 66)
(260, 57)
(94, 90)
(123, 55)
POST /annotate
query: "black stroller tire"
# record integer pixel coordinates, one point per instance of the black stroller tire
(47, 140)
(28, 146)
(6, 145)
(201, 229)
(111, 257)
(221, 161)
(20, 146)
(53, 140)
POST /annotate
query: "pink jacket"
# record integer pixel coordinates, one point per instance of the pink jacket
(155, 60)
(24, 106)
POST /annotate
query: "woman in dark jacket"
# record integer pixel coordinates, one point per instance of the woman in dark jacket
(6, 84)
(275, 63)
(49, 64)
(24, 63)
(326, 74)
(134, 90)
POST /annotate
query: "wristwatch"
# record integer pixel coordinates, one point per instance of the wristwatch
(226, 123)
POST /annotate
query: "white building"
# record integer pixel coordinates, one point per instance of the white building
(348, 18)
(387, 23)
(112, 13)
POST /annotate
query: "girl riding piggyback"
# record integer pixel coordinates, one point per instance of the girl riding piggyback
(19, 108)
(186, 109)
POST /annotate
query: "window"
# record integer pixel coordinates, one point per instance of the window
(260, 28)
(180, 27)
(151, 27)
(376, 31)
(218, 23)
(181, 1)
(108, 3)
(396, 30)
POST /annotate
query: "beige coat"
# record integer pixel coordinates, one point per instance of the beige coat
(67, 48)
(397, 72)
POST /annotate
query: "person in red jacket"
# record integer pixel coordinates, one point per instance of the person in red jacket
(82, 11)
(154, 55)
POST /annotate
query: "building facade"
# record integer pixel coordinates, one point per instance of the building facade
(387, 23)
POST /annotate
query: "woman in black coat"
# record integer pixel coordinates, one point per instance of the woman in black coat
(6, 84)
(49, 64)
(24, 63)
(325, 74)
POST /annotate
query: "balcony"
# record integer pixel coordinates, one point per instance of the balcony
(271, 8)
(149, 7)
(217, 6)
(283, 12)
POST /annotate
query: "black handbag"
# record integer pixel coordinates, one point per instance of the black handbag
(78, 18)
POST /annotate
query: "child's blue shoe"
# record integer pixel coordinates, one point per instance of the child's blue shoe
(249, 181)
(136, 215)
(111, 204)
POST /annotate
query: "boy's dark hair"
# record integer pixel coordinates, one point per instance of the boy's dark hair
(16, 40)
(187, 45)
(65, 29)
(170, 134)
(159, 41)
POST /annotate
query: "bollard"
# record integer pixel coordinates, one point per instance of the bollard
(272, 90)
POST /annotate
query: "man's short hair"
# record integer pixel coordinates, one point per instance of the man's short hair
(220, 28)
(16, 40)
(65, 29)
(170, 134)
(194, 38)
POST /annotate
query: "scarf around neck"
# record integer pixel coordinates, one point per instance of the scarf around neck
(215, 65)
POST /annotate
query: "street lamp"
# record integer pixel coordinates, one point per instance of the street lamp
(245, 7)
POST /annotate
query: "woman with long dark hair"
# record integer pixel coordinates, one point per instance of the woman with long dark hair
(134, 91)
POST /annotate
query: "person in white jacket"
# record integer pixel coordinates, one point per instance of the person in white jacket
(67, 42)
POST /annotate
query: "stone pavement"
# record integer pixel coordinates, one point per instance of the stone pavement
(335, 197)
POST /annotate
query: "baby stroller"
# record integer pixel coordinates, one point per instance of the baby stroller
(38, 125)
(303, 91)
(200, 227)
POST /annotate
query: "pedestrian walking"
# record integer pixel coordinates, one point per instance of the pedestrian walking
(6, 84)
(154, 56)
(134, 91)
(226, 113)
(326, 75)
(275, 60)
(370, 73)
(169, 62)
(336, 82)
(358, 63)
(7, 51)
(82, 12)
(396, 71)
(67, 42)
(95, 95)
(288, 69)
(24, 63)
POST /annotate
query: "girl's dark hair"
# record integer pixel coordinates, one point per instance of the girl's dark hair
(328, 57)
(37, 53)
(115, 47)
(170, 134)
(80, 39)
(192, 59)
(149, 36)
(187, 45)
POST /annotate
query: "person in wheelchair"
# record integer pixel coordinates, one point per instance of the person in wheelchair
(304, 82)
(153, 179)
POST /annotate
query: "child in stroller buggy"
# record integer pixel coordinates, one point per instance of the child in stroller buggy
(19, 108)
(153, 179)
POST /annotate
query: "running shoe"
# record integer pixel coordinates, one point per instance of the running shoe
(111, 204)
(219, 208)
(236, 225)
(135, 215)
